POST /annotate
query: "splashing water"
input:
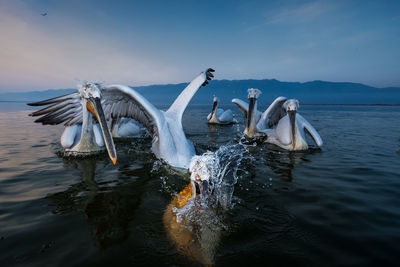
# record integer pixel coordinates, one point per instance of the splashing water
(214, 174)
(192, 220)
(212, 180)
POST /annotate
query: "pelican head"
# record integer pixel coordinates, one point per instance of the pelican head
(202, 171)
(251, 130)
(215, 104)
(290, 107)
(91, 95)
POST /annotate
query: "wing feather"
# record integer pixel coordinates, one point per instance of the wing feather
(243, 106)
(311, 130)
(62, 109)
(54, 100)
(273, 114)
(123, 101)
(177, 108)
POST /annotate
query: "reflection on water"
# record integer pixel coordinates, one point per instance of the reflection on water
(282, 161)
(107, 208)
(212, 127)
(282, 208)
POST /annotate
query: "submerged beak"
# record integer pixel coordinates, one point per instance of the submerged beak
(250, 117)
(292, 118)
(94, 106)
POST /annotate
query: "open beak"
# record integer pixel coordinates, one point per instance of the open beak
(250, 115)
(292, 118)
(94, 106)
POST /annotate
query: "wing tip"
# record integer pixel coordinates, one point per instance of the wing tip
(209, 76)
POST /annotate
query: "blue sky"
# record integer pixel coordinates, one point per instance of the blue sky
(158, 42)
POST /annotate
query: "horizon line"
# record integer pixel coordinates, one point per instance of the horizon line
(160, 84)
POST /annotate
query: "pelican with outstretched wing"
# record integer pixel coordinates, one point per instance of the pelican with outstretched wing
(219, 116)
(281, 123)
(110, 102)
(285, 127)
(82, 113)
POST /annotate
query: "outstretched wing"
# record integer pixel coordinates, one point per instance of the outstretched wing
(65, 109)
(310, 129)
(273, 114)
(178, 107)
(122, 101)
(243, 106)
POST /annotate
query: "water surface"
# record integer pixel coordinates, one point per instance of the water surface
(331, 207)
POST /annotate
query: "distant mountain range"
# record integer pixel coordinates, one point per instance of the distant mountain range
(315, 92)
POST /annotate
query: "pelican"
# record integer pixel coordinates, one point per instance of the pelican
(187, 224)
(169, 141)
(285, 127)
(250, 112)
(190, 220)
(281, 123)
(219, 116)
(79, 111)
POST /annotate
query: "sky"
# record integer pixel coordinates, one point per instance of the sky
(160, 42)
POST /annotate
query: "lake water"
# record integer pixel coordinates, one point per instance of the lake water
(338, 206)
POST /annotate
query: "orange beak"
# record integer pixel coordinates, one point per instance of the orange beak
(93, 105)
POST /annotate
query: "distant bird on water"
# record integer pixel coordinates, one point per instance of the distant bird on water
(44, 14)
(219, 116)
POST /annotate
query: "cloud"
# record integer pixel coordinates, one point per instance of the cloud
(31, 54)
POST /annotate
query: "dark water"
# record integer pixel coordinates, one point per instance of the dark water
(338, 206)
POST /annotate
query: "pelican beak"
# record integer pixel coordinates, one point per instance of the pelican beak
(250, 116)
(214, 108)
(292, 118)
(94, 106)
(200, 188)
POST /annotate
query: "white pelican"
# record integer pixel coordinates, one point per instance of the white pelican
(82, 135)
(280, 122)
(193, 228)
(250, 112)
(191, 220)
(169, 140)
(285, 127)
(219, 116)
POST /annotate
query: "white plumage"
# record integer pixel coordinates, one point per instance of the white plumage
(288, 129)
(114, 102)
(219, 116)
(281, 123)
